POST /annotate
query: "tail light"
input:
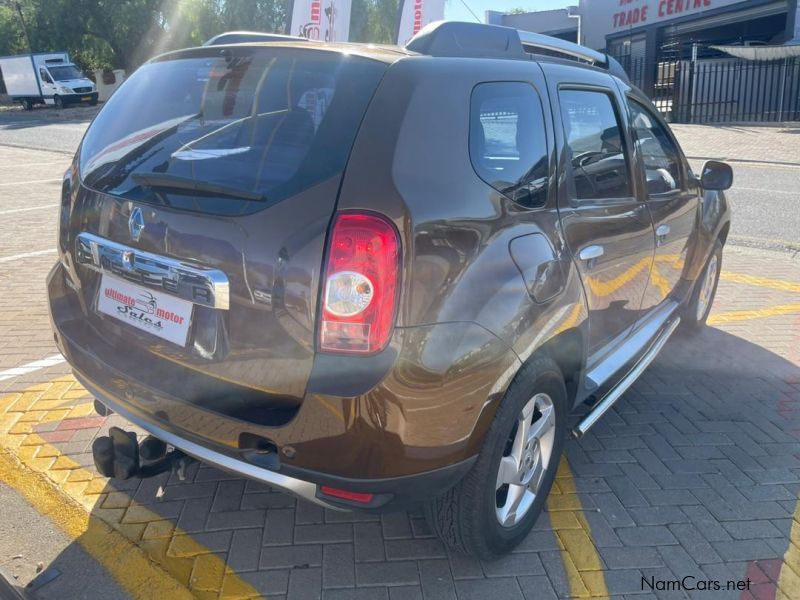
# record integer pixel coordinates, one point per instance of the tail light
(359, 293)
(360, 497)
(62, 236)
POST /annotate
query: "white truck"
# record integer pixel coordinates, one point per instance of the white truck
(46, 78)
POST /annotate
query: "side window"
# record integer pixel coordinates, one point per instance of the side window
(659, 154)
(507, 143)
(595, 144)
(45, 76)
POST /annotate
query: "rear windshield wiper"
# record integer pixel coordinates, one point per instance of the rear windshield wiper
(176, 182)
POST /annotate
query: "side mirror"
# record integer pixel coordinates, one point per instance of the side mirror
(716, 176)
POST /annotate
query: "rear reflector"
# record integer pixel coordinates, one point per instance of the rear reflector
(361, 284)
(359, 497)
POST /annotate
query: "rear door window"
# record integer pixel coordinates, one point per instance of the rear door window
(595, 143)
(508, 147)
(230, 130)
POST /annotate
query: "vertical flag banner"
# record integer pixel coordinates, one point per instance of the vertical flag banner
(325, 20)
(416, 14)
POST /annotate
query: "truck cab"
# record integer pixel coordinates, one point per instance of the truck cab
(46, 78)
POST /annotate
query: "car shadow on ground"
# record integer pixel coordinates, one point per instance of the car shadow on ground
(703, 444)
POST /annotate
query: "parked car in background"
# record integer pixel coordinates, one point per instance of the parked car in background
(376, 277)
(46, 78)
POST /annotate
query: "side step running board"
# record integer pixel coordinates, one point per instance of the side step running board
(616, 393)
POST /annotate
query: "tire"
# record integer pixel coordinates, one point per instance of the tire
(27, 104)
(58, 102)
(696, 312)
(467, 517)
(93, 102)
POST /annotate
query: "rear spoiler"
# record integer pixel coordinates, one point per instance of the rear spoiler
(240, 37)
(478, 40)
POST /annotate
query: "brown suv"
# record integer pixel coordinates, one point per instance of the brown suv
(378, 276)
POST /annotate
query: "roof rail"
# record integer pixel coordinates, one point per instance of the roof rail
(547, 42)
(479, 40)
(531, 41)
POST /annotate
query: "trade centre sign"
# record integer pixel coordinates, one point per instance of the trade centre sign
(637, 13)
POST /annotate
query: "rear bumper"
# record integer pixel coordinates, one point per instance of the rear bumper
(389, 494)
(405, 426)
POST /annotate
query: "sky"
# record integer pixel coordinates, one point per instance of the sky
(456, 11)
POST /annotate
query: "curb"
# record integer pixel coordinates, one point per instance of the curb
(9, 591)
(160, 559)
(748, 161)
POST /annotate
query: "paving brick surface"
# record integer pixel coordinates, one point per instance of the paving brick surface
(757, 143)
(695, 472)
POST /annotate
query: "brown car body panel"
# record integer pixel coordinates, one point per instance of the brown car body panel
(473, 307)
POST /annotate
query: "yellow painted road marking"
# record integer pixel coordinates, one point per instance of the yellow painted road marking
(195, 570)
(789, 579)
(582, 564)
(659, 281)
(758, 313)
(602, 288)
(776, 284)
(128, 565)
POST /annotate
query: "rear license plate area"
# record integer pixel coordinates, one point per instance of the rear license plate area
(148, 310)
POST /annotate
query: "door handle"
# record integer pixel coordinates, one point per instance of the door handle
(662, 232)
(591, 252)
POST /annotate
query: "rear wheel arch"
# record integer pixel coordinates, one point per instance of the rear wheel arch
(567, 350)
(723, 233)
(465, 517)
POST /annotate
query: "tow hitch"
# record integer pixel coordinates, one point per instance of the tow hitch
(119, 455)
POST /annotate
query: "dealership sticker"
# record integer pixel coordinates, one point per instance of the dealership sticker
(157, 313)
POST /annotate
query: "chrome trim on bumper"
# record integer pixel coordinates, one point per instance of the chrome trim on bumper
(199, 285)
(297, 487)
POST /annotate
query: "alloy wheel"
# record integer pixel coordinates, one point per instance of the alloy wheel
(525, 460)
(707, 289)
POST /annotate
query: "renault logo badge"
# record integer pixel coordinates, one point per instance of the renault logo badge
(136, 224)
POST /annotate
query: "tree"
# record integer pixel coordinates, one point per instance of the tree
(374, 21)
(126, 33)
(12, 40)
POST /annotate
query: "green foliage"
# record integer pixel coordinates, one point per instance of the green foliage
(125, 33)
(374, 21)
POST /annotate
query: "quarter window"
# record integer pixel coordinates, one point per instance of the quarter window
(595, 144)
(507, 142)
(658, 151)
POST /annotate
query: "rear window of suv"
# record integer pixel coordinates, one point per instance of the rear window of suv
(229, 130)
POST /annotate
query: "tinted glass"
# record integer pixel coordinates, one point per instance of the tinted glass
(65, 73)
(659, 154)
(507, 140)
(228, 131)
(595, 144)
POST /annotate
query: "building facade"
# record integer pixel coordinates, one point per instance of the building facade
(647, 28)
(698, 60)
